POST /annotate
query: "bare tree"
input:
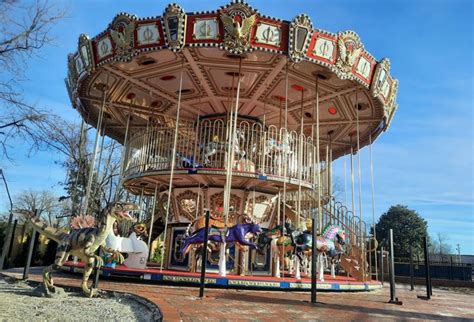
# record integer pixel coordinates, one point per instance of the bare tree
(72, 142)
(24, 30)
(439, 246)
(44, 202)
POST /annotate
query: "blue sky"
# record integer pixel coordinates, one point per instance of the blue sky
(424, 161)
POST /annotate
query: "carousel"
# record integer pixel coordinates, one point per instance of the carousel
(239, 115)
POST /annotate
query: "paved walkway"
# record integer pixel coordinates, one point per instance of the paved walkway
(182, 303)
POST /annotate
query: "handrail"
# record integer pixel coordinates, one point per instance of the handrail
(257, 149)
(338, 213)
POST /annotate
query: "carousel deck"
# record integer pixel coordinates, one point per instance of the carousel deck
(180, 278)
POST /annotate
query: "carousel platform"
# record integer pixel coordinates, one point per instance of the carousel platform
(180, 278)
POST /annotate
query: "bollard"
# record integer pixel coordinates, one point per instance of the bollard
(314, 272)
(381, 265)
(26, 270)
(412, 282)
(427, 270)
(8, 238)
(391, 268)
(10, 246)
(95, 282)
(429, 267)
(451, 267)
(204, 255)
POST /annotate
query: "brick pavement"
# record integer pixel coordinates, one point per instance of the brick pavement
(182, 303)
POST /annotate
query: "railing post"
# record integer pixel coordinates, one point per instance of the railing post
(10, 244)
(381, 265)
(26, 270)
(451, 267)
(204, 254)
(427, 270)
(314, 272)
(7, 240)
(429, 267)
(393, 298)
(412, 282)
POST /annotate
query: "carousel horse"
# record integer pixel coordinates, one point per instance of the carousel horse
(331, 241)
(216, 145)
(334, 262)
(240, 233)
(187, 162)
(273, 145)
(281, 243)
(278, 151)
(200, 222)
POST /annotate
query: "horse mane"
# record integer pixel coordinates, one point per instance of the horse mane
(330, 231)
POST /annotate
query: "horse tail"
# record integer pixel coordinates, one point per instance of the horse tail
(186, 248)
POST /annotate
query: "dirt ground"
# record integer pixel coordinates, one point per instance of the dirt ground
(22, 301)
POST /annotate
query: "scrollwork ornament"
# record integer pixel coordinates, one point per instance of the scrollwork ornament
(238, 20)
(381, 75)
(188, 204)
(391, 106)
(85, 52)
(122, 33)
(175, 26)
(349, 49)
(71, 64)
(300, 36)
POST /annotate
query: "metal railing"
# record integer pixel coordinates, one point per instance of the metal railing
(334, 212)
(257, 149)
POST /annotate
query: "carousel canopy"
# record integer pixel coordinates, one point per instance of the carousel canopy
(134, 66)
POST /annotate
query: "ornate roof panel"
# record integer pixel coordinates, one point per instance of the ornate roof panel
(144, 56)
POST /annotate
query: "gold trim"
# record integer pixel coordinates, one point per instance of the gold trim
(196, 20)
(175, 42)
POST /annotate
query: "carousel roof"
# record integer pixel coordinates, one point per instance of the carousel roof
(138, 62)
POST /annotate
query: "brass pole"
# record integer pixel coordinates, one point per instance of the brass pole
(96, 144)
(319, 214)
(300, 162)
(152, 222)
(173, 163)
(318, 157)
(123, 157)
(352, 179)
(283, 158)
(230, 164)
(362, 231)
(358, 160)
(230, 148)
(373, 204)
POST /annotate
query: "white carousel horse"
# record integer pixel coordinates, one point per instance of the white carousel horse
(216, 145)
(323, 262)
(278, 151)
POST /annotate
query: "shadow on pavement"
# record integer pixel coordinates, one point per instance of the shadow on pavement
(341, 307)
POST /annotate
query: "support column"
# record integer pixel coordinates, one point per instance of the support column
(316, 216)
(173, 163)
(96, 145)
(9, 231)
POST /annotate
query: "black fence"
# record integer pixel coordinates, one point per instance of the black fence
(439, 270)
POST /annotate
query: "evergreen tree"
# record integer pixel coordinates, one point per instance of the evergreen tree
(408, 226)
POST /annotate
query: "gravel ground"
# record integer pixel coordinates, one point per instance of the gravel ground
(20, 301)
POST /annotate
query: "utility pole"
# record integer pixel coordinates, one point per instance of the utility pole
(8, 236)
